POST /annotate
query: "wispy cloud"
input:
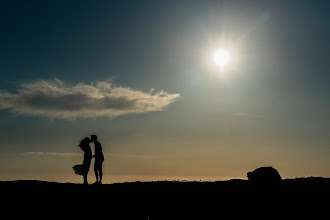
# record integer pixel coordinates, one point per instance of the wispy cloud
(120, 156)
(52, 154)
(56, 99)
(131, 156)
(248, 115)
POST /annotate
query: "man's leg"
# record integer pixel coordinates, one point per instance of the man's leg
(100, 172)
(96, 174)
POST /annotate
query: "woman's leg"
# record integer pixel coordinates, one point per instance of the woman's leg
(85, 178)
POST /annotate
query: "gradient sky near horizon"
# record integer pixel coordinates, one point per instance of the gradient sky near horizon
(140, 75)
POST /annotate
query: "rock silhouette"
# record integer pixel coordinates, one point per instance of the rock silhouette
(264, 175)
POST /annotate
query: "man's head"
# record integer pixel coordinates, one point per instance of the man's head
(93, 138)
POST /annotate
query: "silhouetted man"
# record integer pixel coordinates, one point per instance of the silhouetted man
(98, 155)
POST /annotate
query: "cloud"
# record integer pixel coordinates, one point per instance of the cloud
(56, 99)
(248, 115)
(52, 154)
(120, 156)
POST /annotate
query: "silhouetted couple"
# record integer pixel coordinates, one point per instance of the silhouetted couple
(83, 169)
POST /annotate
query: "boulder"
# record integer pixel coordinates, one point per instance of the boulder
(264, 175)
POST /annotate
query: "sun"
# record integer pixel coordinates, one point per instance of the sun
(221, 57)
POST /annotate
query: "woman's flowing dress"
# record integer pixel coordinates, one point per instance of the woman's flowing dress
(83, 168)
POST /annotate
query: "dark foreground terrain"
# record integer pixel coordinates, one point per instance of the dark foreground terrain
(233, 199)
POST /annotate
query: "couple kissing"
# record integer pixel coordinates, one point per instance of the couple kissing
(83, 169)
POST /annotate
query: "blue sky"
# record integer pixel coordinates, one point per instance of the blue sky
(140, 75)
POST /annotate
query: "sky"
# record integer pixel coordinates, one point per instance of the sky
(141, 76)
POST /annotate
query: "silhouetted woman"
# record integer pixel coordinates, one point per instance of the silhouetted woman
(82, 169)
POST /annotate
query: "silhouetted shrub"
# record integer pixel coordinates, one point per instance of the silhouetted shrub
(264, 174)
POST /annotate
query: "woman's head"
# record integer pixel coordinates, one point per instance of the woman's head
(84, 143)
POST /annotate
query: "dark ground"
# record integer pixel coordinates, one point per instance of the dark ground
(233, 199)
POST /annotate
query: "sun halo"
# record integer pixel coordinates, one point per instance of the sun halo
(221, 57)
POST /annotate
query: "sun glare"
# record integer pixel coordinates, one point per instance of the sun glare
(221, 57)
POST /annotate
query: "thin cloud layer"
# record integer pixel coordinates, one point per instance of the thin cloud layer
(52, 154)
(247, 115)
(120, 156)
(55, 99)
